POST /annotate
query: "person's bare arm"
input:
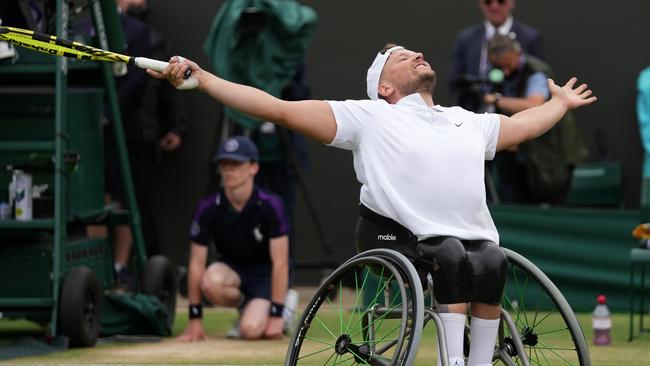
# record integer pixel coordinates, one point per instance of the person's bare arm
(279, 251)
(198, 256)
(311, 118)
(530, 123)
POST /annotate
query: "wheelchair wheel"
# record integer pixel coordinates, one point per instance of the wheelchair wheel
(541, 319)
(378, 322)
(415, 292)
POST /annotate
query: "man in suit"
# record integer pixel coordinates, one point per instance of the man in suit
(470, 63)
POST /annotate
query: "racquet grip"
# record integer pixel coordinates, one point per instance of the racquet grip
(190, 82)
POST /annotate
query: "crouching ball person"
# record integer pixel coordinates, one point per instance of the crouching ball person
(421, 169)
(249, 229)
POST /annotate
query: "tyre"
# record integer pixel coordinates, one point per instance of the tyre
(373, 323)
(159, 280)
(539, 317)
(80, 307)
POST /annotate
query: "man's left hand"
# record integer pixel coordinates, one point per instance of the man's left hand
(572, 97)
(274, 328)
(170, 142)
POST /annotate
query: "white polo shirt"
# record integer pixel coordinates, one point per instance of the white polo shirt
(421, 166)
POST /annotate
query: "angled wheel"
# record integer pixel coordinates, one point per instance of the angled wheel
(541, 319)
(79, 307)
(372, 324)
(415, 291)
(159, 280)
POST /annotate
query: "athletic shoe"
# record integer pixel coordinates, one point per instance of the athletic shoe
(234, 332)
(289, 313)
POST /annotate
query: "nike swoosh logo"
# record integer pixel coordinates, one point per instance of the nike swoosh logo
(458, 124)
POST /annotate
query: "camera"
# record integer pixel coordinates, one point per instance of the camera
(468, 91)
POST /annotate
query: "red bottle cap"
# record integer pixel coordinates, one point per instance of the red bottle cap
(602, 299)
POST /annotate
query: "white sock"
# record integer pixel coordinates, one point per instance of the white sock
(454, 325)
(483, 334)
(118, 266)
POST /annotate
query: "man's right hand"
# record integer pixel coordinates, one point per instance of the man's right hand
(194, 332)
(177, 70)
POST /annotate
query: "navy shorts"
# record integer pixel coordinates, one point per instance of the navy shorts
(255, 279)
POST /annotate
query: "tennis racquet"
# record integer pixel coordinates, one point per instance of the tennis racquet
(60, 47)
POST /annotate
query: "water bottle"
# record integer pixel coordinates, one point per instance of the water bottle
(601, 322)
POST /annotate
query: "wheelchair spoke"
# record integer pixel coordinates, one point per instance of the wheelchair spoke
(319, 341)
(535, 324)
(359, 294)
(374, 300)
(325, 327)
(332, 355)
(380, 319)
(552, 331)
(342, 361)
(317, 352)
(358, 357)
(522, 296)
(341, 305)
(555, 353)
(537, 356)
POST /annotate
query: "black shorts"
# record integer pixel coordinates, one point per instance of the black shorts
(462, 270)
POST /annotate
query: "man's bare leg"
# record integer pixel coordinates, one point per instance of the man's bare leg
(220, 285)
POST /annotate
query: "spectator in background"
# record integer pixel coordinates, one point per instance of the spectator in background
(249, 229)
(163, 113)
(539, 170)
(130, 91)
(470, 62)
(154, 121)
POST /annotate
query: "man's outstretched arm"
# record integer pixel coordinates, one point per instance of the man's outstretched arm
(311, 118)
(530, 123)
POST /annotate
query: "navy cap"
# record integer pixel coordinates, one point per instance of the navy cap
(238, 148)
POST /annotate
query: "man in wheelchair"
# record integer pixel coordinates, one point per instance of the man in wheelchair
(421, 167)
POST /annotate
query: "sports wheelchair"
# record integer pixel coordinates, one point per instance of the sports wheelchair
(380, 321)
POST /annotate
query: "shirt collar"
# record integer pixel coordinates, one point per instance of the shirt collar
(504, 28)
(415, 100)
(223, 202)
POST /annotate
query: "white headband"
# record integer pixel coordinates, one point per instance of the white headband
(374, 72)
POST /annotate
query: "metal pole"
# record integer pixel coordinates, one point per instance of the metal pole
(60, 137)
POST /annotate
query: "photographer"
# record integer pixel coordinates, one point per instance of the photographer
(537, 171)
(470, 64)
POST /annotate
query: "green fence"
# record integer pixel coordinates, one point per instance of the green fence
(585, 252)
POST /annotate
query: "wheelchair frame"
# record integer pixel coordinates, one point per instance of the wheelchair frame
(388, 330)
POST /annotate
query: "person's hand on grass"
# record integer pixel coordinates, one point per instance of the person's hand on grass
(274, 328)
(193, 332)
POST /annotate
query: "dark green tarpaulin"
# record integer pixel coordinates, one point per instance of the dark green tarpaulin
(585, 252)
(133, 313)
(265, 54)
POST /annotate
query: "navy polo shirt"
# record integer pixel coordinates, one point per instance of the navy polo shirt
(241, 237)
